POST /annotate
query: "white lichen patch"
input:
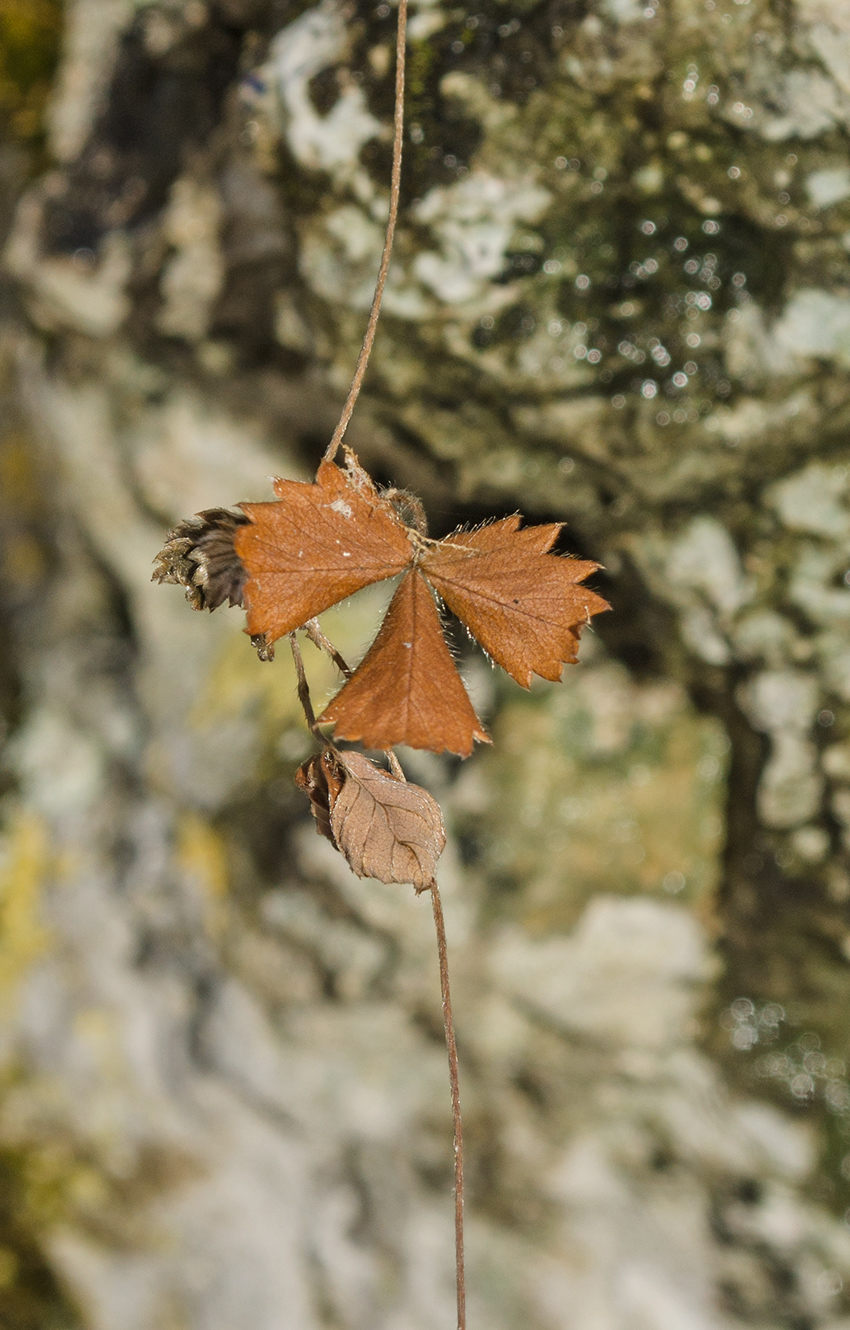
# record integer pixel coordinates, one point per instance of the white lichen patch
(93, 29)
(64, 291)
(627, 972)
(810, 104)
(750, 349)
(752, 419)
(816, 324)
(60, 767)
(817, 587)
(781, 700)
(834, 659)
(814, 499)
(790, 787)
(331, 142)
(194, 274)
(763, 635)
(339, 257)
(473, 222)
(835, 761)
(623, 11)
(188, 455)
(831, 185)
(832, 45)
(783, 703)
(704, 558)
(700, 633)
(811, 844)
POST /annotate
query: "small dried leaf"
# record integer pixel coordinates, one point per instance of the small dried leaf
(200, 555)
(386, 828)
(316, 545)
(321, 780)
(406, 690)
(524, 605)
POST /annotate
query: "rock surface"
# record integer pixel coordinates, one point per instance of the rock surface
(621, 298)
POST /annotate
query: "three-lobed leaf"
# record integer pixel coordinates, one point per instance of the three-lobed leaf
(321, 541)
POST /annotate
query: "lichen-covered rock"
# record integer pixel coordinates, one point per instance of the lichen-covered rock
(619, 298)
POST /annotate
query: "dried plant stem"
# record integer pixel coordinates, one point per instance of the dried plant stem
(395, 189)
(317, 637)
(304, 688)
(451, 1047)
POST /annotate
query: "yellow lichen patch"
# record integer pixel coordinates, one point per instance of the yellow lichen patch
(24, 863)
(238, 683)
(58, 1182)
(603, 785)
(201, 853)
(29, 45)
(23, 561)
(9, 1265)
(202, 857)
(19, 481)
(30, 1296)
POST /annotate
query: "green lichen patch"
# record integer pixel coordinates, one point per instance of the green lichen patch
(31, 1297)
(599, 785)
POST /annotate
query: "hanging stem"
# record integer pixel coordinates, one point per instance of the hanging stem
(319, 639)
(304, 688)
(451, 1047)
(395, 190)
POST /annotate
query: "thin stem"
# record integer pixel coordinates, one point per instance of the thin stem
(395, 190)
(451, 1047)
(304, 688)
(317, 637)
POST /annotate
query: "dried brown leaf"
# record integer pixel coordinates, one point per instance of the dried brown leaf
(387, 828)
(524, 605)
(317, 544)
(407, 690)
(321, 781)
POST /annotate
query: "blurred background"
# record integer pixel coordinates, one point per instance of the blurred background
(620, 298)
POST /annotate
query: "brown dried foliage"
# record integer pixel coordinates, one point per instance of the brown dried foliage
(316, 544)
(320, 542)
(386, 827)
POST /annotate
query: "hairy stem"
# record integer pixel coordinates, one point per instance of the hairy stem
(317, 637)
(395, 189)
(304, 688)
(451, 1047)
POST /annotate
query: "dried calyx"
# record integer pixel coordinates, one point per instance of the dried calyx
(199, 554)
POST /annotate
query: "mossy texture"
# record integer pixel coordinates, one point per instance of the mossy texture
(619, 299)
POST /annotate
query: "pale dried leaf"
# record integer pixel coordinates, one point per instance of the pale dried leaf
(387, 828)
